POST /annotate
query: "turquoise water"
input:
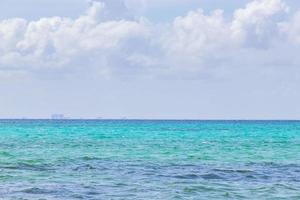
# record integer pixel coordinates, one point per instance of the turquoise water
(44, 159)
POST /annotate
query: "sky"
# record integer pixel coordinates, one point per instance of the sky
(150, 59)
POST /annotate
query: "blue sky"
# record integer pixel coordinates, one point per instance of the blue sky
(154, 10)
(193, 59)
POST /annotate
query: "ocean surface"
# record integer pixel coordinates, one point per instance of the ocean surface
(111, 159)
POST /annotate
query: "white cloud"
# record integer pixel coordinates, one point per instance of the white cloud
(109, 41)
(196, 33)
(198, 43)
(56, 42)
(11, 32)
(256, 23)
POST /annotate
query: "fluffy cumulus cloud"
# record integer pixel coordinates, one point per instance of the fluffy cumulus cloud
(60, 43)
(109, 41)
(255, 24)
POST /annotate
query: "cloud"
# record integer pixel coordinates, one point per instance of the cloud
(109, 41)
(255, 24)
(61, 42)
(198, 43)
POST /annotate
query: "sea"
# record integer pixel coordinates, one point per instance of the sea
(149, 159)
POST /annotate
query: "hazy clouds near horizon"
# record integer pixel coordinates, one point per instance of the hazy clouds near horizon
(150, 59)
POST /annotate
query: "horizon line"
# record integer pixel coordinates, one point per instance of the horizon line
(148, 119)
